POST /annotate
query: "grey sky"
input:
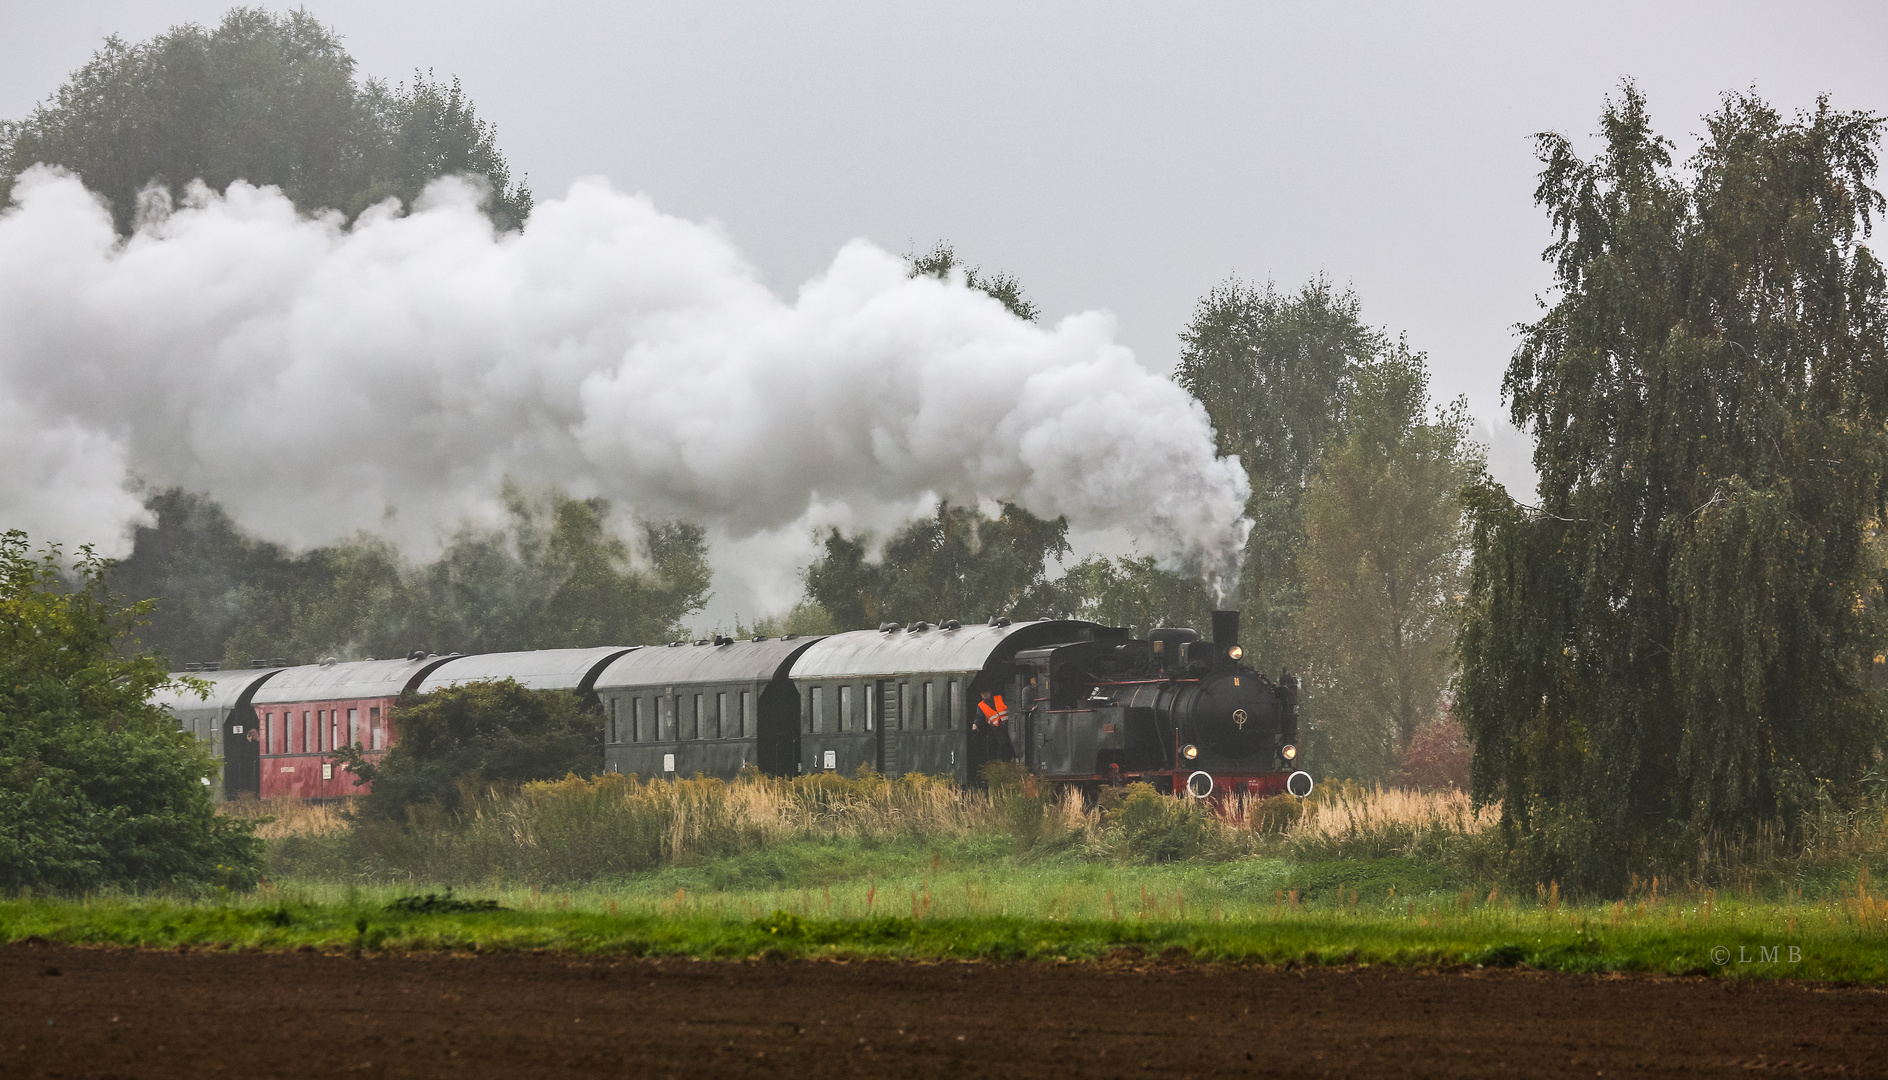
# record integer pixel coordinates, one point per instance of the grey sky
(1116, 156)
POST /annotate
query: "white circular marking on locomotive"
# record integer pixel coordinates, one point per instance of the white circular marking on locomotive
(1193, 784)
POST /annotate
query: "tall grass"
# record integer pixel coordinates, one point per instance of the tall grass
(577, 830)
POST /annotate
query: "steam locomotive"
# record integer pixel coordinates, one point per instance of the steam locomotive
(1087, 706)
(1173, 710)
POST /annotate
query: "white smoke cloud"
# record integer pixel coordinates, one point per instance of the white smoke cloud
(320, 380)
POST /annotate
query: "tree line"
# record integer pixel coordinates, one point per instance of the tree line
(1679, 645)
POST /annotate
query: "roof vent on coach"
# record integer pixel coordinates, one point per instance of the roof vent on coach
(330, 661)
(1001, 620)
(416, 654)
(917, 626)
(760, 637)
(888, 628)
(950, 624)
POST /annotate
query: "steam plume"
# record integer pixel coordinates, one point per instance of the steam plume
(320, 380)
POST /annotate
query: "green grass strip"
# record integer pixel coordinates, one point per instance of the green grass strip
(1755, 943)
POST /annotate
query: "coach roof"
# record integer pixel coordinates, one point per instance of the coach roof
(543, 669)
(226, 689)
(351, 681)
(864, 653)
(738, 661)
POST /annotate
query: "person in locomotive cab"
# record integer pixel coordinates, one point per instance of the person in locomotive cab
(990, 720)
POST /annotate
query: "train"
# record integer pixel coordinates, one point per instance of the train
(1075, 703)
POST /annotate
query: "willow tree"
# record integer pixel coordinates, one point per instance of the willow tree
(1676, 645)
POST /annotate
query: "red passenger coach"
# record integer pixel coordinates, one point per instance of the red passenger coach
(305, 713)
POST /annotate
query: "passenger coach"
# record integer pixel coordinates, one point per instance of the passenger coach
(712, 707)
(303, 714)
(900, 699)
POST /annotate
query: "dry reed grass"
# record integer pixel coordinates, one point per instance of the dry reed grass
(579, 829)
(280, 818)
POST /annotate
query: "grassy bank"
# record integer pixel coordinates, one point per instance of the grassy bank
(960, 915)
(864, 867)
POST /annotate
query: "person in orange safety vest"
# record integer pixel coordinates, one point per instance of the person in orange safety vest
(993, 712)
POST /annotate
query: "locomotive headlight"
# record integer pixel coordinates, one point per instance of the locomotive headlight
(1290, 752)
(1190, 751)
(1235, 652)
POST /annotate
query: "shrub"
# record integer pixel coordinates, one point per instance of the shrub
(97, 785)
(1160, 828)
(475, 736)
(1438, 756)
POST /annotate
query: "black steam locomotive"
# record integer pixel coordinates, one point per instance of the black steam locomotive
(1173, 710)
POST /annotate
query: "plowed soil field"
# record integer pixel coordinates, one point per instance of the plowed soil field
(69, 1012)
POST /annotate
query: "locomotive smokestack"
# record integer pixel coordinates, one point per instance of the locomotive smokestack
(1226, 650)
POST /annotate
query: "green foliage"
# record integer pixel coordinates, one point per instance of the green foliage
(1677, 644)
(1383, 568)
(955, 564)
(1274, 373)
(1160, 828)
(556, 576)
(97, 785)
(476, 735)
(942, 260)
(807, 619)
(1135, 592)
(959, 564)
(266, 98)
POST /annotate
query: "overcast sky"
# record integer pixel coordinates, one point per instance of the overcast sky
(1114, 156)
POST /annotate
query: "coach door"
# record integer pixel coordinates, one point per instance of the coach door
(242, 755)
(888, 724)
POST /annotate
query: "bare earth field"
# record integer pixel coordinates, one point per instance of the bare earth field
(70, 1012)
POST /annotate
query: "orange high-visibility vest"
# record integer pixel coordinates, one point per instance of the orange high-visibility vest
(993, 714)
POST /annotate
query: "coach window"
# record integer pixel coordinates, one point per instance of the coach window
(379, 732)
(845, 708)
(727, 725)
(611, 706)
(957, 704)
(930, 705)
(871, 708)
(818, 710)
